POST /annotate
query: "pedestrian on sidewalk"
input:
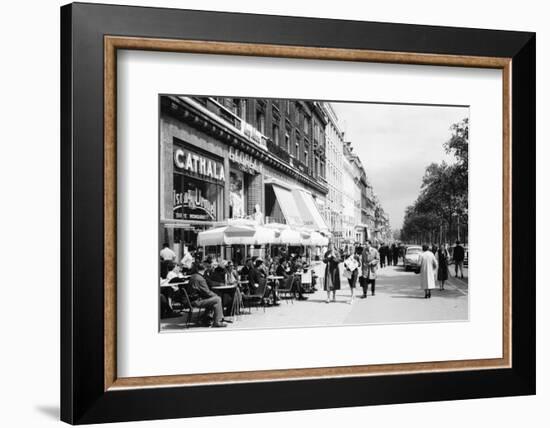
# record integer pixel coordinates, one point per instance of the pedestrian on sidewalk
(352, 264)
(370, 260)
(428, 268)
(332, 272)
(395, 253)
(458, 258)
(382, 252)
(443, 268)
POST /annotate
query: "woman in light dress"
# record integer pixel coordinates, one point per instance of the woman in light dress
(428, 270)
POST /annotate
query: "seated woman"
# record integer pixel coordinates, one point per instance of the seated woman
(232, 278)
(231, 274)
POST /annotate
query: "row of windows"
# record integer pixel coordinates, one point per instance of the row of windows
(291, 141)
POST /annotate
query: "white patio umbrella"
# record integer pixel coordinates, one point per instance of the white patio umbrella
(235, 234)
(316, 240)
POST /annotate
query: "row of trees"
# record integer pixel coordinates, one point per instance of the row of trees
(440, 213)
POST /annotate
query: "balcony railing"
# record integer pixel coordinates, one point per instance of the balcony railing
(278, 151)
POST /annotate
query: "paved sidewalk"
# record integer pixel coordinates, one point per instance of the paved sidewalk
(398, 299)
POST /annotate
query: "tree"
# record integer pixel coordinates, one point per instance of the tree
(443, 194)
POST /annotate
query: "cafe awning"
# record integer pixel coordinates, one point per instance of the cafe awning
(311, 217)
(288, 205)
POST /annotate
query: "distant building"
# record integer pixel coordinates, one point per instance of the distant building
(334, 174)
(360, 191)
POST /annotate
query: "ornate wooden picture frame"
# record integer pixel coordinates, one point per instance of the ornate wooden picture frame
(91, 390)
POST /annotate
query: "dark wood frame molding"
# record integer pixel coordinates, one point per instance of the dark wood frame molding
(91, 391)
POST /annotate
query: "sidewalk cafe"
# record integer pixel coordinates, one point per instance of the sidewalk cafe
(234, 252)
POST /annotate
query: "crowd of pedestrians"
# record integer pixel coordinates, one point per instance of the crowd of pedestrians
(220, 286)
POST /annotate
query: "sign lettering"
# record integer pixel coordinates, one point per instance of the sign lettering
(192, 162)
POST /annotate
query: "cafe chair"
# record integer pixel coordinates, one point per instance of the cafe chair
(307, 281)
(255, 296)
(285, 290)
(186, 304)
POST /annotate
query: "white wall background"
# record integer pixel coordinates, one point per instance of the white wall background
(29, 219)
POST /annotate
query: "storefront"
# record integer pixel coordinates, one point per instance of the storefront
(245, 174)
(205, 181)
(198, 192)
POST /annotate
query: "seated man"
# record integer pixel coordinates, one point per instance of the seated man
(202, 297)
(217, 278)
(257, 277)
(290, 279)
(216, 275)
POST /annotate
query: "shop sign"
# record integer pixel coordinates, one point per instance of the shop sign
(244, 160)
(191, 162)
(192, 205)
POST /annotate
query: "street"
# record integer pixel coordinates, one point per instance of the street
(398, 299)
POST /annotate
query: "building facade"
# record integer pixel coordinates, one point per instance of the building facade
(229, 158)
(334, 174)
(349, 191)
(360, 232)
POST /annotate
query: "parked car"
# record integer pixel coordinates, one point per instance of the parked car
(410, 260)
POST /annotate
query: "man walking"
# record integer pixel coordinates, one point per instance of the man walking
(395, 253)
(369, 265)
(382, 253)
(458, 258)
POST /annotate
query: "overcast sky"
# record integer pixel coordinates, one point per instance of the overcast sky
(395, 144)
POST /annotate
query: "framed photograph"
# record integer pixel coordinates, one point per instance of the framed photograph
(291, 213)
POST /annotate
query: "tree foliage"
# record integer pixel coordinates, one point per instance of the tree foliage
(442, 203)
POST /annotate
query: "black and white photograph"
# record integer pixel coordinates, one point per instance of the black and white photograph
(285, 213)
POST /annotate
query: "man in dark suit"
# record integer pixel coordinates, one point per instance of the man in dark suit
(458, 258)
(202, 297)
(289, 278)
(382, 252)
(257, 276)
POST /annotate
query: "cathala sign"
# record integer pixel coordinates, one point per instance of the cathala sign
(188, 161)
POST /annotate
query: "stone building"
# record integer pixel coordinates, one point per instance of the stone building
(334, 174)
(225, 158)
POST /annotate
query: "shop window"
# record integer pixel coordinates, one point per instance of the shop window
(197, 200)
(237, 201)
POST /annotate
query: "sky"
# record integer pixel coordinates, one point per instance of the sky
(395, 144)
